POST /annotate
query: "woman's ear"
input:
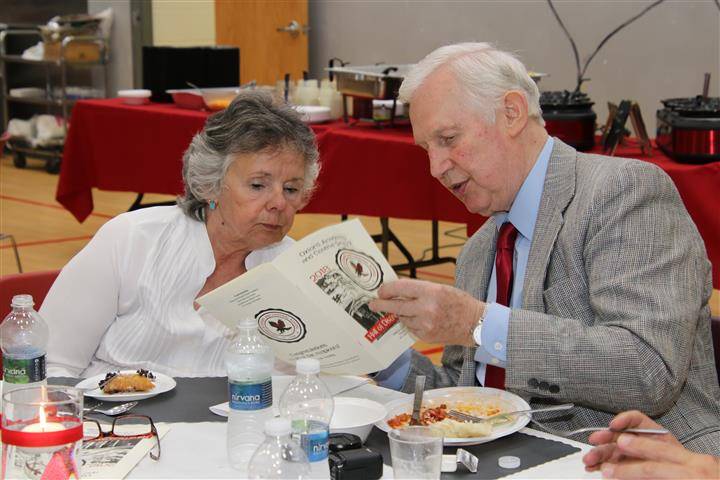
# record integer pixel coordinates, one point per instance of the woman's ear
(514, 112)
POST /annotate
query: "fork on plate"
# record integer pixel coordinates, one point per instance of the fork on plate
(561, 433)
(472, 418)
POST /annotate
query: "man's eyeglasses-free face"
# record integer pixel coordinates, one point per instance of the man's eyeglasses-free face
(124, 426)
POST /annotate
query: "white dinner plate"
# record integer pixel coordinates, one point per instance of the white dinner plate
(163, 384)
(313, 113)
(454, 395)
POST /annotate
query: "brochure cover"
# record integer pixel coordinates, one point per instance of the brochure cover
(312, 302)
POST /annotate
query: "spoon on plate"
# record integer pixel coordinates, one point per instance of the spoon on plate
(417, 400)
(112, 411)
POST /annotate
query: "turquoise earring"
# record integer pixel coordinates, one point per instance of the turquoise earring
(213, 204)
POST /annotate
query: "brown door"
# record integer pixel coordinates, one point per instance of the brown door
(266, 54)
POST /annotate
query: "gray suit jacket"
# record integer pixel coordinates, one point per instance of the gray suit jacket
(615, 303)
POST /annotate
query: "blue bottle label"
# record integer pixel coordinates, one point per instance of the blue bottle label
(313, 437)
(250, 396)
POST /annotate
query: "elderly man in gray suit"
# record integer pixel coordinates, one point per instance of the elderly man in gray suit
(589, 283)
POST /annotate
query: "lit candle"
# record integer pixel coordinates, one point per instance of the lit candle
(43, 426)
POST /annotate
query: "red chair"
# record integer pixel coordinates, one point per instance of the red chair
(36, 284)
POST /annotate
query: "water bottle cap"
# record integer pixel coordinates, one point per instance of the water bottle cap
(247, 322)
(22, 301)
(278, 426)
(307, 366)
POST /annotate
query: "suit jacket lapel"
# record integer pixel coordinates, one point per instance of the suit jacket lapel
(558, 190)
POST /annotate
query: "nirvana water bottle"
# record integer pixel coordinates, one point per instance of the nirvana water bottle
(23, 338)
(309, 406)
(279, 456)
(249, 362)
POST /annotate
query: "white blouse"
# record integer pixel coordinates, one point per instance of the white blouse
(126, 300)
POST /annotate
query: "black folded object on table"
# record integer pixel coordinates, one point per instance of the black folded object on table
(356, 464)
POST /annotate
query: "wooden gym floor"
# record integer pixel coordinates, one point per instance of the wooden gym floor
(48, 236)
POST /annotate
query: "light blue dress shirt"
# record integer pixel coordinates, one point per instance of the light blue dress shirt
(522, 214)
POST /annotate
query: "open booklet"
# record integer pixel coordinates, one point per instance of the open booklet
(312, 302)
(114, 457)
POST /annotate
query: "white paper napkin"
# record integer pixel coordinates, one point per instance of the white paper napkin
(336, 384)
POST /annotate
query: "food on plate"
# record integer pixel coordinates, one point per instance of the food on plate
(452, 428)
(116, 382)
(439, 419)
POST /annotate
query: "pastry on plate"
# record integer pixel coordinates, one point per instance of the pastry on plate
(116, 382)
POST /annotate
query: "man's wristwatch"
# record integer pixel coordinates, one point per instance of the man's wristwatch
(477, 331)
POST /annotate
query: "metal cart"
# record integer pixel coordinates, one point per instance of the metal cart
(50, 103)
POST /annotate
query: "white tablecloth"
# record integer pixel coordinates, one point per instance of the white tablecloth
(197, 450)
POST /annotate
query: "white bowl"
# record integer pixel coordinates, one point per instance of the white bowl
(135, 97)
(313, 113)
(356, 416)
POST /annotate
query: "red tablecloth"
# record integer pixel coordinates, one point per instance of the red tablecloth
(365, 171)
(118, 147)
(380, 172)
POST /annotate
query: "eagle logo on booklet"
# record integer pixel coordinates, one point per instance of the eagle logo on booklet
(360, 268)
(280, 325)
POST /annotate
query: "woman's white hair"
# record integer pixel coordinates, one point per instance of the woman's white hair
(483, 71)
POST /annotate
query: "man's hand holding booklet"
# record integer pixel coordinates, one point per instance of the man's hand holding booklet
(312, 302)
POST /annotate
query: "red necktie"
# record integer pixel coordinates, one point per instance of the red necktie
(505, 248)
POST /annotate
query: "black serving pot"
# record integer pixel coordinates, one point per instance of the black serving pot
(688, 129)
(569, 116)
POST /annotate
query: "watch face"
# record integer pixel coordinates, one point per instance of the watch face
(477, 333)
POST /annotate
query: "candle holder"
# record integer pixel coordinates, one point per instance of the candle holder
(42, 432)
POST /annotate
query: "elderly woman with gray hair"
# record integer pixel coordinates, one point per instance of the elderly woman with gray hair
(127, 300)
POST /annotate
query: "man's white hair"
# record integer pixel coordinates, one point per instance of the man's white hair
(483, 71)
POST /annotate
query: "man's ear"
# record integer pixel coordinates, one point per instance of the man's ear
(514, 112)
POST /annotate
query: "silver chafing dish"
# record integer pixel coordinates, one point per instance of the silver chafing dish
(372, 81)
(367, 83)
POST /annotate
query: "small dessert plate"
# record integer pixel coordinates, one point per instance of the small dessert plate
(163, 384)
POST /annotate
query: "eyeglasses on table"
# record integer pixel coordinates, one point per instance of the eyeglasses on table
(124, 427)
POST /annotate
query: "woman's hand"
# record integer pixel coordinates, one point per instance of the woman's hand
(432, 312)
(631, 456)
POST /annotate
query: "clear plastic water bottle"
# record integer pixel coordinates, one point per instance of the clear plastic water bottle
(308, 404)
(249, 362)
(23, 338)
(279, 456)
